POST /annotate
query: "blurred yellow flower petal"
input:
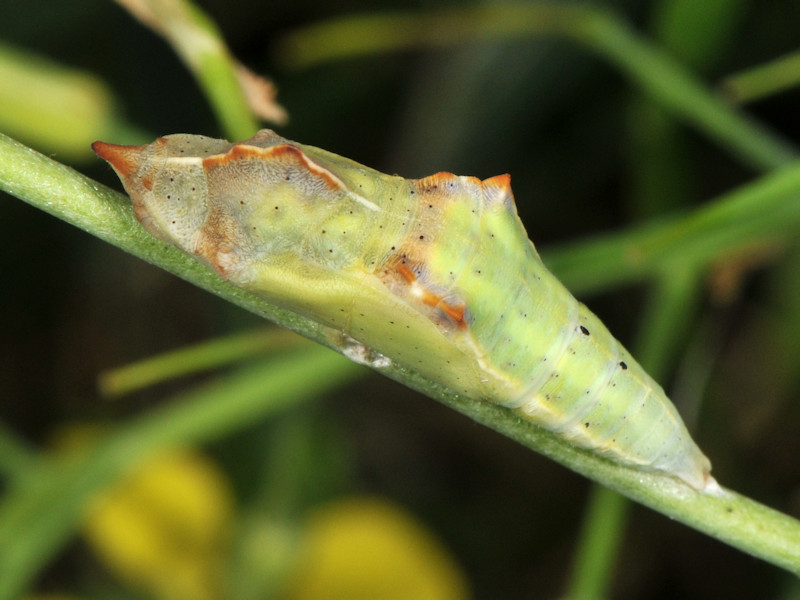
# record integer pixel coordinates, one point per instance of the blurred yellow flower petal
(368, 549)
(164, 528)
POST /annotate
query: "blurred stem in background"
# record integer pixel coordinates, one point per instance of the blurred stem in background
(764, 80)
(197, 41)
(55, 108)
(192, 359)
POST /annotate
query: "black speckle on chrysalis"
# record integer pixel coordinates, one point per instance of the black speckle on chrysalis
(623, 365)
(584, 331)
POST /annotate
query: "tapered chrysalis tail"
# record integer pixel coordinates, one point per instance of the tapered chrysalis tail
(436, 274)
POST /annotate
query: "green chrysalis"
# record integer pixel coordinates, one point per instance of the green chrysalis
(436, 274)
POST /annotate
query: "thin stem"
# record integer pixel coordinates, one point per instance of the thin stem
(601, 536)
(678, 91)
(196, 39)
(764, 80)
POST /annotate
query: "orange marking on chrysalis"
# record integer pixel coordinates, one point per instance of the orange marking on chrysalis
(283, 152)
(407, 273)
(498, 189)
(502, 182)
(441, 181)
(124, 159)
(454, 312)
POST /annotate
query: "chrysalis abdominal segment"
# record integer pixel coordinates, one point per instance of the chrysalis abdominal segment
(435, 274)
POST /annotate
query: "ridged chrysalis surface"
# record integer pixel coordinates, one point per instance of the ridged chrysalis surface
(436, 274)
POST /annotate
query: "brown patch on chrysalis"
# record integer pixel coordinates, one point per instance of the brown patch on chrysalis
(220, 243)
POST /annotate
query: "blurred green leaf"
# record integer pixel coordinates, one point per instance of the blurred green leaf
(764, 80)
(206, 355)
(52, 107)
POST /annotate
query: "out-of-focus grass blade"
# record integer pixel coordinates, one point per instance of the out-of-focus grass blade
(764, 80)
(765, 211)
(192, 359)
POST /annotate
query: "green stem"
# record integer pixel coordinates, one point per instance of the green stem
(656, 73)
(669, 314)
(600, 538)
(678, 91)
(727, 516)
(197, 41)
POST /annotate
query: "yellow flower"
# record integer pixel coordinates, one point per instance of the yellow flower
(369, 549)
(163, 529)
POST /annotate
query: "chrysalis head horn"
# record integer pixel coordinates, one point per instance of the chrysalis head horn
(124, 159)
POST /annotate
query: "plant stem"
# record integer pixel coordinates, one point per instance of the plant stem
(601, 536)
(197, 41)
(764, 80)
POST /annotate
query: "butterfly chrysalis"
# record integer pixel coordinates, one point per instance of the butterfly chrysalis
(436, 274)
